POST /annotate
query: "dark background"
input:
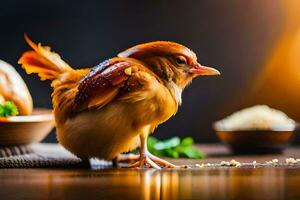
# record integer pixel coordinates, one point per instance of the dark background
(233, 35)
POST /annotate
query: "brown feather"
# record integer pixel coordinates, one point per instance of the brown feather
(65, 88)
(104, 82)
(163, 48)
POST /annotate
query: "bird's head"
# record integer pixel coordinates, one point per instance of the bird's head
(171, 61)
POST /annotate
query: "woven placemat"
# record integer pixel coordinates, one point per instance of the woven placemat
(55, 156)
(15, 151)
(43, 156)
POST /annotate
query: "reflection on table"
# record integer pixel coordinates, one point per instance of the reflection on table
(262, 183)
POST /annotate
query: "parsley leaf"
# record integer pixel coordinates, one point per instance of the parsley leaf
(174, 148)
(8, 109)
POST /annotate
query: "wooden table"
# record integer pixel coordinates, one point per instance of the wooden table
(269, 183)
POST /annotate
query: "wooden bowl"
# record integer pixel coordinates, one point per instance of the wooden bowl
(20, 130)
(274, 140)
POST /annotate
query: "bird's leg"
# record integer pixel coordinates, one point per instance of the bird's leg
(127, 158)
(146, 158)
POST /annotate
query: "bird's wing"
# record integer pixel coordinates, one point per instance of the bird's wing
(111, 79)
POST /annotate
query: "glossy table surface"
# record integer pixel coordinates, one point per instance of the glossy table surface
(270, 182)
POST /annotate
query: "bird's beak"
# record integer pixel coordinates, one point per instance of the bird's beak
(201, 70)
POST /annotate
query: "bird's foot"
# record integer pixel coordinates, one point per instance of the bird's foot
(125, 158)
(152, 161)
(128, 158)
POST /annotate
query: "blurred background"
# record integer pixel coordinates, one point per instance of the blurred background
(255, 44)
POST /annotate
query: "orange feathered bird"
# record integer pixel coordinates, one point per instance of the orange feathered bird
(113, 107)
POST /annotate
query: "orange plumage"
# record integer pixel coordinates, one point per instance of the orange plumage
(113, 107)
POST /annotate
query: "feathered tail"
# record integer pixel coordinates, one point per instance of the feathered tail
(48, 65)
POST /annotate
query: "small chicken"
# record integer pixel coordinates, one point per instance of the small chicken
(113, 107)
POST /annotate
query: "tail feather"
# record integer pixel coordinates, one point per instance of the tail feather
(47, 64)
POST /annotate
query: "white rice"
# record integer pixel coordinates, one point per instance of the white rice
(260, 117)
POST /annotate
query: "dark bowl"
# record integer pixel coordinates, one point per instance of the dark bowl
(274, 140)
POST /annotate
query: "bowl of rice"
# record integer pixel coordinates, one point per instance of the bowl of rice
(257, 129)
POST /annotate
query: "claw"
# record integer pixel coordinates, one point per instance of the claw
(162, 161)
(145, 161)
(145, 158)
(148, 159)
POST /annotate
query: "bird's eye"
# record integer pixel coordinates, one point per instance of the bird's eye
(180, 60)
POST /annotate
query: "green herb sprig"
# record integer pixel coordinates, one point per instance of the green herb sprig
(174, 148)
(8, 109)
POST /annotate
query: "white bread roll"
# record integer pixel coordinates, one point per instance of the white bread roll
(13, 88)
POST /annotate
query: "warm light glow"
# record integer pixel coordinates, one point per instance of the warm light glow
(278, 82)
